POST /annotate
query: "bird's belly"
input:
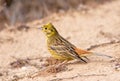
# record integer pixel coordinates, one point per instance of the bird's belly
(60, 56)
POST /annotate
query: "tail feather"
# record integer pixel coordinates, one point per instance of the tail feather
(98, 54)
(84, 53)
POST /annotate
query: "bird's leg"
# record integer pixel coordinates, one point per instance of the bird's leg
(63, 63)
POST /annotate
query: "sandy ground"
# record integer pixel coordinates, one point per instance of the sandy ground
(96, 26)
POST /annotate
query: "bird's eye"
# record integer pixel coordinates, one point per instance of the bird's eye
(45, 28)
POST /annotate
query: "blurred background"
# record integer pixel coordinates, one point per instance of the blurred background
(22, 11)
(88, 24)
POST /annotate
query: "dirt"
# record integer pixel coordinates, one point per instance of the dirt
(23, 52)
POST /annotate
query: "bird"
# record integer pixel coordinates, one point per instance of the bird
(62, 49)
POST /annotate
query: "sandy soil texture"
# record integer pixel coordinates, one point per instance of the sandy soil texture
(23, 51)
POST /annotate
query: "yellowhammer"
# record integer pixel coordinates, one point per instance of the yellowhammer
(61, 49)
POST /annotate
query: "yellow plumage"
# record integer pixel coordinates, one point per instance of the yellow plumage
(62, 49)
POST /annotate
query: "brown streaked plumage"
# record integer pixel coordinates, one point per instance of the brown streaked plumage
(62, 49)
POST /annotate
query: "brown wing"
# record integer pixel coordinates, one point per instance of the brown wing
(63, 47)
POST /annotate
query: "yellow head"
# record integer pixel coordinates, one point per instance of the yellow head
(49, 30)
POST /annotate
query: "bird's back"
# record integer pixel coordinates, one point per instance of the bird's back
(60, 48)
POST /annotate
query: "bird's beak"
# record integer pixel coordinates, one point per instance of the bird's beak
(40, 28)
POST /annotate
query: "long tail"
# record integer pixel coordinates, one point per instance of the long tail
(98, 54)
(84, 53)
